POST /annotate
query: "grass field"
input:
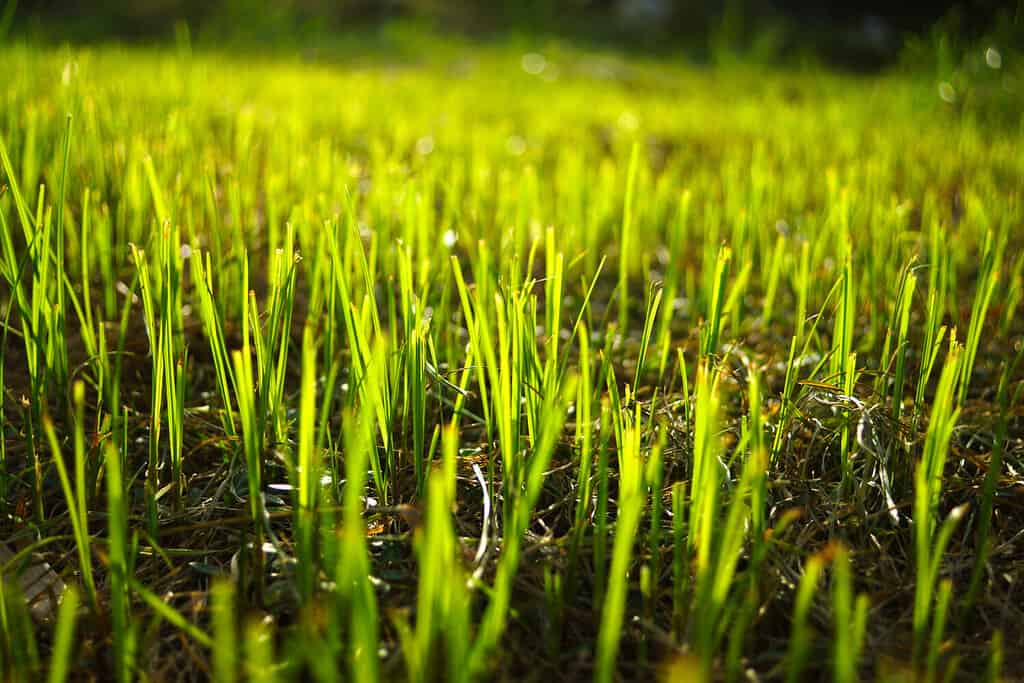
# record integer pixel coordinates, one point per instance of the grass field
(517, 362)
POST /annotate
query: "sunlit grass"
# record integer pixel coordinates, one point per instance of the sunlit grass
(443, 368)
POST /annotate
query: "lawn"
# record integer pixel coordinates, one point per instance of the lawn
(508, 361)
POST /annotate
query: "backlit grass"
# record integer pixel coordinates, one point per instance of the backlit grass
(507, 362)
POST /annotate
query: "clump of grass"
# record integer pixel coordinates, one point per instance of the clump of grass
(929, 540)
(631, 503)
(850, 615)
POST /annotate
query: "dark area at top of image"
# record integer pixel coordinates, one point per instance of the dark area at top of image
(861, 35)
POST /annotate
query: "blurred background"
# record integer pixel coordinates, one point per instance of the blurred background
(862, 34)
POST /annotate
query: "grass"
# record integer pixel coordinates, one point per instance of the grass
(445, 367)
